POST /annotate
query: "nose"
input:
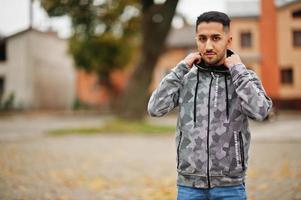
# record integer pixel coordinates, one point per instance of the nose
(209, 46)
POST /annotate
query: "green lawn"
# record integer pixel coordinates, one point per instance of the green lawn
(117, 126)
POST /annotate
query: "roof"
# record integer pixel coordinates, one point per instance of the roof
(237, 8)
(28, 30)
(183, 37)
(1, 36)
(284, 3)
(18, 33)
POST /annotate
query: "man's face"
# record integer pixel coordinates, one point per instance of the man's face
(212, 42)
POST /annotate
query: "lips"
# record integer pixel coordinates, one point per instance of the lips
(209, 54)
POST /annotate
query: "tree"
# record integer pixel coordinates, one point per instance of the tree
(156, 23)
(103, 36)
(114, 25)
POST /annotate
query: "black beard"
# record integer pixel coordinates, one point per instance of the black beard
(212, 64)
(216, 62)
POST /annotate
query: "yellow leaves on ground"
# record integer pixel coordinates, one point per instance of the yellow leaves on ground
(158, 189)
(285, 170)
(263, 186)
(71, 179)
(64, 197)
(97, 184)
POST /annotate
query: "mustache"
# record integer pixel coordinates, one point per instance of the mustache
(209, 52)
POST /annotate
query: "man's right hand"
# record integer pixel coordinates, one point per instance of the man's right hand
(192, 58)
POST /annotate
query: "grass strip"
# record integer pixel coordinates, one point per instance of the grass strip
(117, 126)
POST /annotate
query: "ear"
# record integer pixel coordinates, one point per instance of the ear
(196, 42)
(229, 41)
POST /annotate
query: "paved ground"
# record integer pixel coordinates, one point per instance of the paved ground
(36, 166)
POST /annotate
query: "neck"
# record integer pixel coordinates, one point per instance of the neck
(219, 63)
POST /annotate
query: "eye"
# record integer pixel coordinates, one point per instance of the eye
(202, 39)
(216, 38)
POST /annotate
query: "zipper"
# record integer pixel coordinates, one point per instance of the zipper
(208, 129)
(195, 97)
(178, 150)
(242, 154)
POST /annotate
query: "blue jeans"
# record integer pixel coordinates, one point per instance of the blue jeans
(217, 193)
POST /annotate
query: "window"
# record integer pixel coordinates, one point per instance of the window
(1, 88)
(296, 13)
(297, 38)
(2, 50)
(246, 39)
(287, 76)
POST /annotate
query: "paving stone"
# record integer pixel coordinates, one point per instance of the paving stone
(132, 167)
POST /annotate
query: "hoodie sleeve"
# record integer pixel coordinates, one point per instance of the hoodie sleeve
(254, 101)
(166, 95)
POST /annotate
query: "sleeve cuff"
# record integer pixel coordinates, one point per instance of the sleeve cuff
(238, 70)
(181, 69)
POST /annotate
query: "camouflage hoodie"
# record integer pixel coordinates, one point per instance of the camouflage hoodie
(212, 135)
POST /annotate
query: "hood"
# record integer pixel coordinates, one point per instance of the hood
(216, 69)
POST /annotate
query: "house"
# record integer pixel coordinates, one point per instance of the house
(248, 32)
(36, 71)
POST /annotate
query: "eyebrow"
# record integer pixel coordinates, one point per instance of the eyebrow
(213, 35)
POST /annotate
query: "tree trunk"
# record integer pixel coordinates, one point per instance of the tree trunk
(113, 92)
(156, 23)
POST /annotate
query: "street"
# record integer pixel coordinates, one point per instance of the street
(35, 165)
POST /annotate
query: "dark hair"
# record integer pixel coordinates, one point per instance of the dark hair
(214, 16)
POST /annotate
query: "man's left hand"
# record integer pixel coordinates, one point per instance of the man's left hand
(232, 60)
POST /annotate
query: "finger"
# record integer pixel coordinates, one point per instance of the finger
(198, 56)
(233, 51)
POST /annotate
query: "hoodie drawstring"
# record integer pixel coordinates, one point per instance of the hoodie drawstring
(227, 99)
(195, 96)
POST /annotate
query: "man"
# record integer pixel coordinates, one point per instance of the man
(215, 94)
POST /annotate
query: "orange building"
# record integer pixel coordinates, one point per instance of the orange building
(90, 92)
(269, 44)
